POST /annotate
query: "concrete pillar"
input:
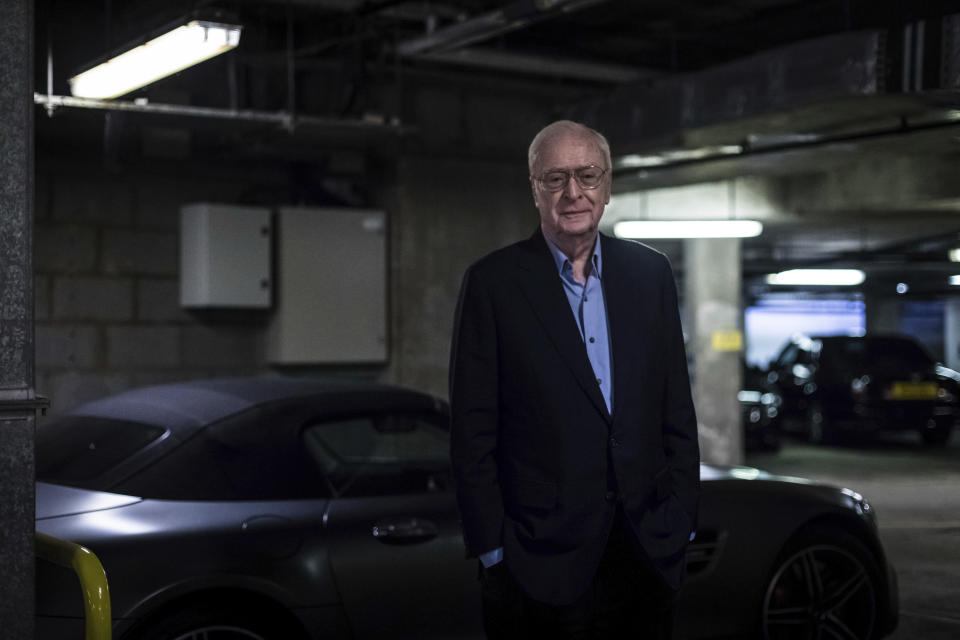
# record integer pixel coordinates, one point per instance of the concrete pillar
(17, 414)
(882, 314)
(714, 322)
(951, 330)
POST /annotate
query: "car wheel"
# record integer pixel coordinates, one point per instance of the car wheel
(212, 621)
(824, 585)
(220, 632)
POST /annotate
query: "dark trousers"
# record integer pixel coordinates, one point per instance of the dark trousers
(626, 599)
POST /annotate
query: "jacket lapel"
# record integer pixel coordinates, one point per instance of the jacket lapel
(629, 324)
(542, 288)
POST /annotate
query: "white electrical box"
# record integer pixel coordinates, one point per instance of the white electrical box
(225, 256)
(331, 303)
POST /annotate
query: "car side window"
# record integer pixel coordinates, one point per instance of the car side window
(380, 454)
(254, 455)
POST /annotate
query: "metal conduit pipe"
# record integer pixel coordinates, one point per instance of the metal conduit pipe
(488, 25)
(281, 118)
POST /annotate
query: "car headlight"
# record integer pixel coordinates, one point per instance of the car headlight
(861, 506)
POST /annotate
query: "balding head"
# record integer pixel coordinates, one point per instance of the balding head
(564, 129)
(579, 158)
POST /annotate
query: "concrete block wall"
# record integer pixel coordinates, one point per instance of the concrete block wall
(106, 268)
(107, 281)
(107, 288)
(436, 233)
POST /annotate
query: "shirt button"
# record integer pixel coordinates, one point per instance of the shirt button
(585, 298)
(599, 381)
(611, 496)
(592, 340)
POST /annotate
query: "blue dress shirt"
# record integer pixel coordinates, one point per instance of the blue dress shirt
(590, 312)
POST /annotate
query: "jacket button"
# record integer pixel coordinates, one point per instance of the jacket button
(614, 442)
(611, 496)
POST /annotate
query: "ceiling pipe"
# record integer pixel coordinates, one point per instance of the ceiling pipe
(508, 18)
(485, 58)
(282, 118)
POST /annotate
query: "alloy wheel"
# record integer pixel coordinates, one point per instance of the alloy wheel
(220, 632)
(821, 592)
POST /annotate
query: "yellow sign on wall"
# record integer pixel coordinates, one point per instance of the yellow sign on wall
(727, 340)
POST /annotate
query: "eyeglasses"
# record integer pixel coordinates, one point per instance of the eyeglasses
(588, 177)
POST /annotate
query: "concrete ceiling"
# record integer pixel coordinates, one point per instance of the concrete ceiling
(797, 88)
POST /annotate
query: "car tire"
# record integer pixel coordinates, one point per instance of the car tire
(824, 584)
(938, 435)
(212, 621)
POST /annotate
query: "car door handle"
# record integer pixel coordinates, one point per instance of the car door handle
(404, 530)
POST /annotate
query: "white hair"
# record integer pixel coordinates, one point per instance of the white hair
(566, 128)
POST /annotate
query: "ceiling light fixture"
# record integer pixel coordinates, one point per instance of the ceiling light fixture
(672, 156)
(687, 229)
(179, 48)
(954, 255)
(955, 280)
(817, 277)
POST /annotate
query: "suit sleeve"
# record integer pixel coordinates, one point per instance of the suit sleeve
(679, 417)
(474, 416)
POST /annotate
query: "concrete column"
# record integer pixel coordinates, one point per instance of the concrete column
(882, 314)
(17, 415)
(714, 322)
(951, 330)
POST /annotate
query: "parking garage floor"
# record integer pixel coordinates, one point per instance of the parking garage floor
(915, 490)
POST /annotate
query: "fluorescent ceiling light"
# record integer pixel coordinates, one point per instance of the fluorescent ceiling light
(165, 55)
(817, 277)
(954, 255)
(955, 280)
(687, 228)
(667, 156)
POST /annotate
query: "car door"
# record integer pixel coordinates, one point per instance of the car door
(392, 527)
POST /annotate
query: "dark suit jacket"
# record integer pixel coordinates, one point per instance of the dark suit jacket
(531, 434)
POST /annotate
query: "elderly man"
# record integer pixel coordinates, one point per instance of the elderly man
(574, 441)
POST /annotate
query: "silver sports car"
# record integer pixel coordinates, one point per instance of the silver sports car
(277, 508)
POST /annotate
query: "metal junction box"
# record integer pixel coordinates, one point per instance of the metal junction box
(331, 303)
(225, 256)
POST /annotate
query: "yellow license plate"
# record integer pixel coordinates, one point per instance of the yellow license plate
(913, 391)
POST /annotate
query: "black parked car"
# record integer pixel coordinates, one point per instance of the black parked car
(843, 385)
(285, 509)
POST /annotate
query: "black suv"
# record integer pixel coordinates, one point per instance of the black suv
(835, 385)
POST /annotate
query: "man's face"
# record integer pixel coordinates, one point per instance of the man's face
(573, 211)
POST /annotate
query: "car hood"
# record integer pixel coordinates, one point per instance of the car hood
(784, 485)
(710, 472)
(54, 500)
(724, 472)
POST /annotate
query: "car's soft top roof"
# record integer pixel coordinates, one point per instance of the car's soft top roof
(198, 402)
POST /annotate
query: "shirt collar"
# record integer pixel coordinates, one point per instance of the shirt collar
(561, 259)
